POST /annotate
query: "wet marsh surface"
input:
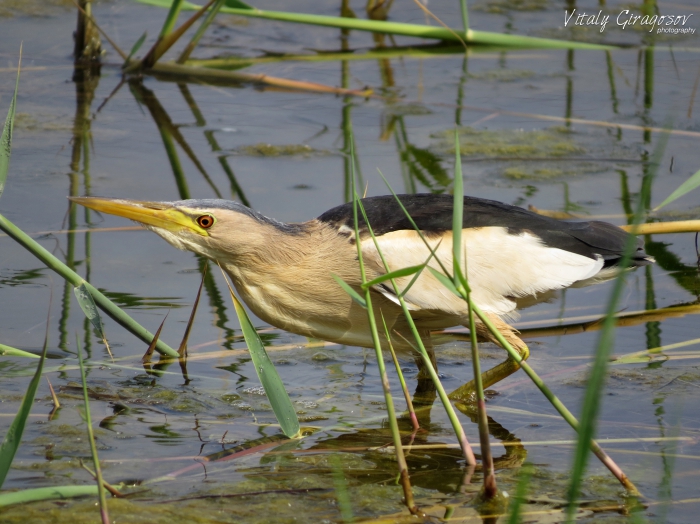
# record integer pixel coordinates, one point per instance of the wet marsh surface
(571, 132)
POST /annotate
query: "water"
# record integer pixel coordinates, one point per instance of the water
(153, 422)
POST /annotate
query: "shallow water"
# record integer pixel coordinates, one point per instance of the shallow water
(283, 153)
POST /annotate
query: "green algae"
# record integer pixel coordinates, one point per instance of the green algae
(508, 143)
(508, 6)
(36, 8)
(547, 171)
(38, 123)
(270, 150)
(502, 75)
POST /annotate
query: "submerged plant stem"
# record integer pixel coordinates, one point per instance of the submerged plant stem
(91, 437)
(404, 388)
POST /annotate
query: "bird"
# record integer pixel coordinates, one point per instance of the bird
(287, 273)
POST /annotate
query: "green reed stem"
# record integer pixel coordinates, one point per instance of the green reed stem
(398, 28)
(391, 413)
(53, 263)
(200, 31)
(91, 437)
(459, 259)
(465, 14)
(404, 388)
(456, 426)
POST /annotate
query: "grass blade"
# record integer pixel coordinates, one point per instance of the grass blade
(404, 388)
(350, 291)
(14, 433)
(445, 281)
(87, 304)
(459, 260)
(683, 189)
(269, 378)
(457, 215)
(403, 272)
(606, 343)
(168, 39)
(6, 136)
(71, 276)
(404, 476)
(51, 493)
(173, 13)
(200, 31)
(91, 437)
(14, 352)
(137, 45)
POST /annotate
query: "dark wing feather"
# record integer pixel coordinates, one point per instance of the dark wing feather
(433, 215)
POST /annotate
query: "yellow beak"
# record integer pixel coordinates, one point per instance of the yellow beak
(158, 214)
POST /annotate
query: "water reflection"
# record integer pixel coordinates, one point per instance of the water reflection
(439, 89)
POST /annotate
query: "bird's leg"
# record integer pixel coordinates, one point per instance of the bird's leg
(467, 392)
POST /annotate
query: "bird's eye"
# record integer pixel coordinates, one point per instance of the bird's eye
(205, 221)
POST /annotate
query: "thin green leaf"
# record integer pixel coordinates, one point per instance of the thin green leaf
(457, 212)
(87, 304)
(200, 31)
(50, 493)
(136, 46)
(6, 136)
(14, 433)
(71, 276)
(168, 36)
(8, 350)
(685, 188)
(173, 13)
(269, 378)
(404, 272)
(417, 275)
(350, 291)
(445, 281)
(91, 437)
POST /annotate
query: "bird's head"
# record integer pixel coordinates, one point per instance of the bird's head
(217, 229)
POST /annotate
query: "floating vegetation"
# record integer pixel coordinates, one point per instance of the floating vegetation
(33, 122)
(692, 213)
(537, 171)
(502, 75)
(516, 143)
(270, 150)
(37, 8)
(506, 6)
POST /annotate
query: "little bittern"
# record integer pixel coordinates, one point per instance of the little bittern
(284, 272)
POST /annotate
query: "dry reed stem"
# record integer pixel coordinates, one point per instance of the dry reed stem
(550, 118)
(656, 228)
(203, 73)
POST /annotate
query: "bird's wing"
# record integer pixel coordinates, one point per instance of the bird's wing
(500, 266)
(511, 252)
